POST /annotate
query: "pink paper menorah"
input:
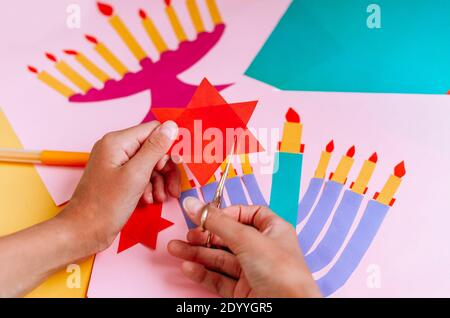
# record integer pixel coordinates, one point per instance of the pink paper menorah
(160, 77)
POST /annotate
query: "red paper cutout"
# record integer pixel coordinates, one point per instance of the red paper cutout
(143, 227)
(212, 110)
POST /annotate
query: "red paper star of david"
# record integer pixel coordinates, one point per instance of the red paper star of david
(207, 110)
(143, 227)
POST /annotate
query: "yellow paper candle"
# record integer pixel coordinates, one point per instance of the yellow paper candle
(153, 32)
(195, 15)
(70, 73)
(386, 195)
(214, 12)
(122, 30)
(232, 172)
(175, 22)
(186, 184)
(108, 56)
(364, 176)
(291, 141)
(52, 82)
(324, 161)
(89, 65)
(344, 166)
(245, 163)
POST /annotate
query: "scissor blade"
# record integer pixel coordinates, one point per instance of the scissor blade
(221, 185)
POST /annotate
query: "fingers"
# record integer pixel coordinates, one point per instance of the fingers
(217, 283)
(214, 259)
(198, 237)
(231, 231)
(172, 178)
(159, 191)
(148, 194)
(154, 149)
(128, 141)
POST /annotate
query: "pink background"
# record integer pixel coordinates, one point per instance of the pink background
(410, 249)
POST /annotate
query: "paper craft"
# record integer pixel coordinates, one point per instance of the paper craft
(333, 46)
(235, 191)
(102, 53)
(206, 111)
(287, 174)
(160, 77)
(253, 190)
(143, 227)
(342, 220)
(24, 202)
(355, 249)
(319, 216)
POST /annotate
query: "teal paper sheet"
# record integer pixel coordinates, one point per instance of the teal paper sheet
(325, 45)
(285, 191)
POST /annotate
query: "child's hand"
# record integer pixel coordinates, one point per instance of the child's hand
(258, 254)
(124, 167)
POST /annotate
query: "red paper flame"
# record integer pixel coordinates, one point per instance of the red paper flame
(51, 57)
(142, 14)
(330, 146)
(351, 152)
(71, 52)
(400, 170)
(167, 2)
(374, 158)
(91, 39)
(106, 9)
(32, 69)
(292, 116)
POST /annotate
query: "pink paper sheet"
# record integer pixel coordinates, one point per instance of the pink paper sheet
(45, 120)
(410, 251)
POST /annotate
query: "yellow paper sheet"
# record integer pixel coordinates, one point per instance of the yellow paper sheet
(24, 201)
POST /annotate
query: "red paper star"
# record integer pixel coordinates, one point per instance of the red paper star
(143, 227)
(210, 109)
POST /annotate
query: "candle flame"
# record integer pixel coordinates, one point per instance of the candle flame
(32, 69)
(351, 152)
(330, 146)
(71, 52)
(142, 14)
(400, 170)
(105, 9)
(374, 158)
(167, 2)
(91, 39)
(51, 57)
(292, 116)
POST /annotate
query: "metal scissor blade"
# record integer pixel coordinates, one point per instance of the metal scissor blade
(219, 191)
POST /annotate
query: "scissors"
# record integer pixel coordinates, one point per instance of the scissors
(217, 200)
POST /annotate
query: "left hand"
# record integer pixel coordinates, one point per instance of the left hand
(124, 167)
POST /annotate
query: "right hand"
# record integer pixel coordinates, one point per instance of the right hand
(259, 255)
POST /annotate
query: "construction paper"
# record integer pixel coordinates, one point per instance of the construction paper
(235, 191)
(336, 233)
(285, 192)
(309, 198)
(326, 45)
(143, 227)
(355, 249)
(24, 202)
(43, 119)
(142, 272)
(184, 195)
(319, 215)
(196, 120)
(208, 191)
(253, 190)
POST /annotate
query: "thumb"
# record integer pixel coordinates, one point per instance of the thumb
(233, 233)
(154, 148)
